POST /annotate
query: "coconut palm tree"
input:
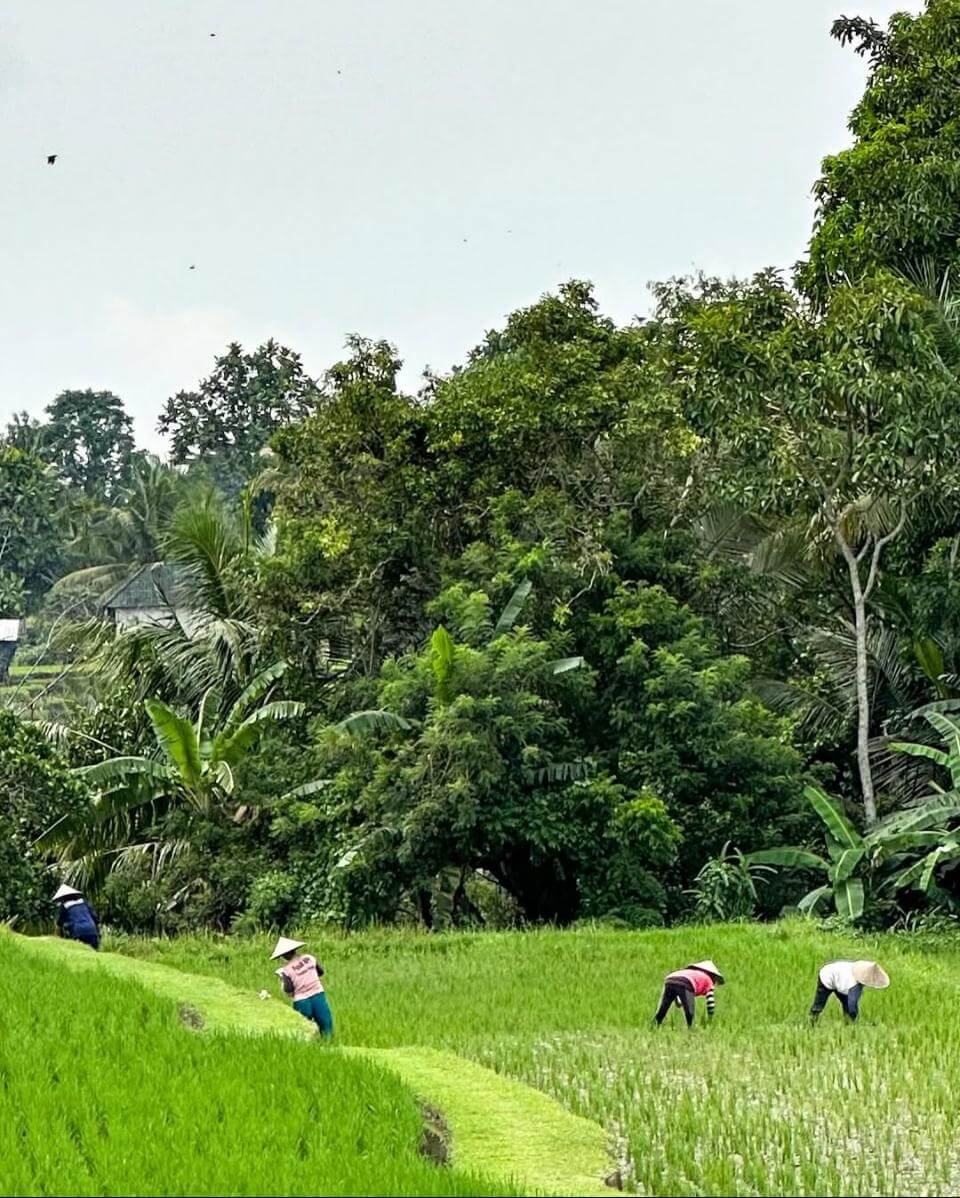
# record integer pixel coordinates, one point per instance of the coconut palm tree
(126, 533)
(212, 641)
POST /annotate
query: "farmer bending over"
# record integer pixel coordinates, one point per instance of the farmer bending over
(846, 979)
(76, 919)
(685, 985)
(300, 978)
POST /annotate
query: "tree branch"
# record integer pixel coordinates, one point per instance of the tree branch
(879, 547)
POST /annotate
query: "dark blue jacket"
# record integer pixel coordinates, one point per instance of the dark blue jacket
(78, 920)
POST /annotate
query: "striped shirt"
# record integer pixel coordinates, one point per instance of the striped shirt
(700, 983)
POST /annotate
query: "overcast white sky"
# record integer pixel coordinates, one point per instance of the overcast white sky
(411, 169)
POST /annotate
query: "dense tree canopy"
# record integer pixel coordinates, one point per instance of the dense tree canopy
(892, 197)
(89, 439)
(36, 790)
(29, 509)
(232, 413)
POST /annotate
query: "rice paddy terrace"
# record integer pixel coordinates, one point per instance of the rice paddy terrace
(529, 1057)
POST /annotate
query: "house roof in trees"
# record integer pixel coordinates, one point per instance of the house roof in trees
(153, 585)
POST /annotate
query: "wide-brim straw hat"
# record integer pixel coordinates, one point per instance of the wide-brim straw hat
(708, 967)
(285, 946)
(66, 892)
(869, 973)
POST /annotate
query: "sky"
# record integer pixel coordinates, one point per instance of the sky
(407, 169)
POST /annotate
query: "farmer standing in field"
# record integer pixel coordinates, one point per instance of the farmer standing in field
(76, 919)
(846, 980)
(684, 986)
(300, 978)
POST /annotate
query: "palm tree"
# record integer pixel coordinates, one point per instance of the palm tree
(192, 771)
(213, 640)
(126, 533)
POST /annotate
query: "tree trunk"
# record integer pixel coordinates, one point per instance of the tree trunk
(543, 892)
(860, 619)
(425, 903)
(863, 709)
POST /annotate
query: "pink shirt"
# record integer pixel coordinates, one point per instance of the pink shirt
(302, 972)
(701, 982)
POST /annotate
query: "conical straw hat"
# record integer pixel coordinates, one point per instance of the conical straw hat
(285, 946)
(869, 973)
(708, 967)
(66, 892)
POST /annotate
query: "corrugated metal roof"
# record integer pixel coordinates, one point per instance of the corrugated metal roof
(153, 585)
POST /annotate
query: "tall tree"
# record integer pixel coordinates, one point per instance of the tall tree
(841, 421)
(30, 500)
(233, 412)
(893, 197)
(89, 439)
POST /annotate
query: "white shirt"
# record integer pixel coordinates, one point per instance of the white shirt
(838, 975)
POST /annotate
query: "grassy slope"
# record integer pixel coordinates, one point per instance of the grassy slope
(102, 1092)
(757, 1103)
(499, 1127)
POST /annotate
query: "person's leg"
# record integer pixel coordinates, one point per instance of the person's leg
(667, 999)
(304, 1007)
(851, 1007)
(688, 1002)
(819, 1000)
(322, 1016)
(90, 940)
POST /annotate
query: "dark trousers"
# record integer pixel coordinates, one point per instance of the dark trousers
(90, 939)
(318, 1009)
(849, 1001)
(676, 992)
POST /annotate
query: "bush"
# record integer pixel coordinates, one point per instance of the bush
(725, 889)
(273, 900)
(36, 789)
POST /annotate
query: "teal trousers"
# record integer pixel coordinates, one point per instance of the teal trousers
(318, 1009)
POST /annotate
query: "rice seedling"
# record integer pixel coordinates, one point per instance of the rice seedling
(758, 1102)
(103, 1092)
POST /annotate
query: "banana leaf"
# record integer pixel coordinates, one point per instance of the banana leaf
(836, 822)
(508, 617)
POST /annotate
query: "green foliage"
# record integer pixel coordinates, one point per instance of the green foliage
(486, 756)
(233, 413)
(30, 498)
(12, 594)
(901, 850)
(88, 437)
(892, 197)
(273, 900)
(36, 790)
(192, 772)
(726, 887)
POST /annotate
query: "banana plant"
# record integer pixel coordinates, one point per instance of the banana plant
(192, 770)
(949, 728)
(851, 859)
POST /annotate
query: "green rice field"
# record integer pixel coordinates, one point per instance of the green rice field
(104, 1090)
(757, 1103)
